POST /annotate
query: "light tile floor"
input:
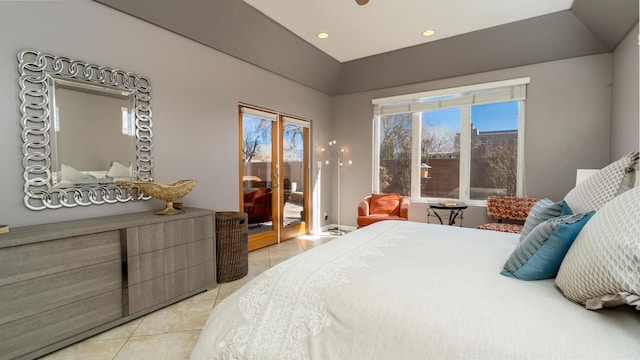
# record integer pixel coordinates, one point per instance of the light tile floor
(171, 332)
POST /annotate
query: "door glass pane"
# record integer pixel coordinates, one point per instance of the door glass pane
(257, 155)
(395, 154)
(440, 149)
(494, 149)
(293, 174)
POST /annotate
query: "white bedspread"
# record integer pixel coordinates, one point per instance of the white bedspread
(406, 290)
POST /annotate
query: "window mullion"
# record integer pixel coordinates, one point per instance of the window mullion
(465, 153)
(520, 184)
(376, 155)
(416, 156)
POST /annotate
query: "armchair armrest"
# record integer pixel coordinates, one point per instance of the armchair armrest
(405, 203)
(363, 207)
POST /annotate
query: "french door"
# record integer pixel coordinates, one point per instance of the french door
(274, 175)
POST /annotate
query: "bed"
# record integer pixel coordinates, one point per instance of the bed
(407, 290)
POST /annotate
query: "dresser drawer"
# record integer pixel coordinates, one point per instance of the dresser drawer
(30, 297)
(153, 237)
(149, 265)
(33, 332)
(164, 288)
(24, 262)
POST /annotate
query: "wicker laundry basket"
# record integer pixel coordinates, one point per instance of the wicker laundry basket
(232, 254)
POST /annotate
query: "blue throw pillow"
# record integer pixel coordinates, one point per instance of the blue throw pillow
(542, 211)
(540, 254)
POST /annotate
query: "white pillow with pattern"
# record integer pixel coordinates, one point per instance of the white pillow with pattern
(603, 186)
(602, 267)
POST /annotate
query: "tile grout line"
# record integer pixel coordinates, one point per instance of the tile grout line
(128, 338)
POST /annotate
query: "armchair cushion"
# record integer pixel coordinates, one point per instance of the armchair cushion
(502, 227)
(387, 204)
(368, 220)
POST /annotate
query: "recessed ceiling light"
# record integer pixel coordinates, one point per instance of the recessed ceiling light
(429, 32)
(322, 35)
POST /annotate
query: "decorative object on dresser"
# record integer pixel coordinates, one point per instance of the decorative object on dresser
(67, 104)
(166, 192)
(4, 229)
(64, 282)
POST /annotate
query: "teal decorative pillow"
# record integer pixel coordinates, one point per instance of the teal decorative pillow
(542, 211)
(540, 254)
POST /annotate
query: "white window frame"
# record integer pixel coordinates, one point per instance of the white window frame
(459, 97)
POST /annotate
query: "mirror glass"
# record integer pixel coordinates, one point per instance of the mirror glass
(86, 131)
(107, 156)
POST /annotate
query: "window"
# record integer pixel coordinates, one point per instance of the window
(463, 143)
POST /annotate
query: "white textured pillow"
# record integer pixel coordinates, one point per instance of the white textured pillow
(601, 187)
(71, 174)
(118, 170)
(602, 267)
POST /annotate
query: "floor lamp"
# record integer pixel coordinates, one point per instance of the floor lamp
(339, 154)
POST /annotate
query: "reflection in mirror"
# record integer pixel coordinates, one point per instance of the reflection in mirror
(107, 156)
(85, 129)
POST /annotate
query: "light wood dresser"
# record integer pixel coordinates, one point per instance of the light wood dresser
(64, 282)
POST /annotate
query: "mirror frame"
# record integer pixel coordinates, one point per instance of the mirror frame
(38, 72)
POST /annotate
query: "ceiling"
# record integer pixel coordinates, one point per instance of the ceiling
(384, 25)
(379, 45)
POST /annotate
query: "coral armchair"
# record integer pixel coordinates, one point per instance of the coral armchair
(378, 207)
(510, 208)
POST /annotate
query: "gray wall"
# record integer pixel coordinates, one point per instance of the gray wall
(625, 125)
(196, 91)
(195, 94)
(567, 127)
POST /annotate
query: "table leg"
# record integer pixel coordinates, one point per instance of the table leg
(429, 210)
(453, 215)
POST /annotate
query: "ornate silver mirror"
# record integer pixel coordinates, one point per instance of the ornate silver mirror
(85, 129)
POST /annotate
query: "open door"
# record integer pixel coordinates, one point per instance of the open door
(274, 175)
(295, 177)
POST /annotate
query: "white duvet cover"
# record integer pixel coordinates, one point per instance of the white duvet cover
(406, 290)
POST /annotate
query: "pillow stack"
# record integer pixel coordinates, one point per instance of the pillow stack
(551, 228)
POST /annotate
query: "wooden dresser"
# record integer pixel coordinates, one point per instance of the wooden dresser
(64, 282)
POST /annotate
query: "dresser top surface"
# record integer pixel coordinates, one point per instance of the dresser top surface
(44, 232)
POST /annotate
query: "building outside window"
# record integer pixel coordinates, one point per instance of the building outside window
(463, 143)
